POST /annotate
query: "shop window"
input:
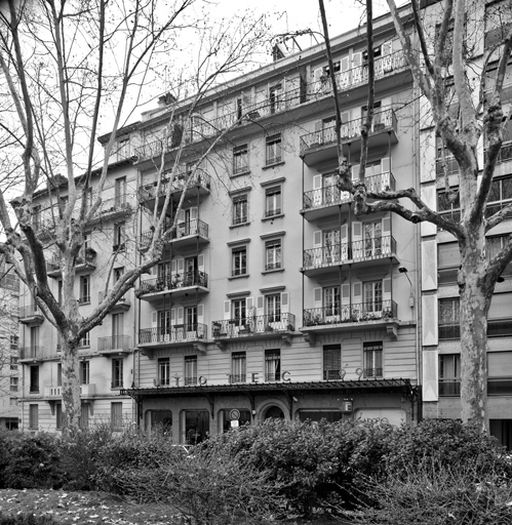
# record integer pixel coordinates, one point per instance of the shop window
(197, 426)
(501, 429)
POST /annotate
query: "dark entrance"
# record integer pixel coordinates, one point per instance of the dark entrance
(273, 412)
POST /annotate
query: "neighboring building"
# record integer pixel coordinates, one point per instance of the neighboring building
(9, 370)
(272, 299)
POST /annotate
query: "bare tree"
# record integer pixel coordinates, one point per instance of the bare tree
(438, 64)
(65, 65)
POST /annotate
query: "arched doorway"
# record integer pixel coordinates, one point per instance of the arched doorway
(273, 411)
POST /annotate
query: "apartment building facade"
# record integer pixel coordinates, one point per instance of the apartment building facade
(272, 298)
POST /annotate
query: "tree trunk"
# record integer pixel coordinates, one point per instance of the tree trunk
(71, 409)
(474, 306)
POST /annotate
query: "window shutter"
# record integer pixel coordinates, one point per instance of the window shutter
(357, 236)
(181, 215)
(181, 264)
(200, 313)
(319, 125)
(344, 241)
(179, 315)
(386, 225)
(356, 59)
(173, 267)
(259, 305)
(193, 212)
(345, 63)
(317, 182)
(317, 294)
(200, 262)
(173, 316)
(345, 293)
(357, 293)
(227, 310)
(355, 172)
(385, 165)
(386, 288)
(317, 239)
(284, 302)
(154, 319)
(248, 305)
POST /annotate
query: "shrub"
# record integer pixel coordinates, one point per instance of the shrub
(26, 519)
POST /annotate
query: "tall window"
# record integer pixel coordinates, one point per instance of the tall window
(85, 289)
(59, 374)
(238, 373)
(449, 318)
(116, 416)
(448, 203)
(332, 362)
(84, 372)
(34, 340)
(372, 238)
(85, 341)
(117, 330)
(58, 416)
(190, 318)
(120, 192)
(117, 373)
(13, 363)
(239, 311)
(190, 369)
(239, 261)
(273, 364)
(240, 159)
(372, 359)
(240, 210)
(164, 371)
(449, 375)
(119, 237)
(273, 254)
(276, 97)
(372, 293)
(499, 196)
(118, 272)
(13, 387)
(33, 417)
(164, 322)
(34, 379)
(273, 201)
(273, 149)
(273, 307)
(331, 300)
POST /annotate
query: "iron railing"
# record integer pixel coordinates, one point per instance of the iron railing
(114, 342)
(173, 334)
(354, 313)
(192, 227)
(173, 282)
(383, 120)
(357, 251)
(257, 324)
(31, 310)
(179, 183)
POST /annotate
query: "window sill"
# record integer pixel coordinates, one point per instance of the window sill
(272, 217)
(273, 165)
(240, 174)
(274, 270)
(233, 226)
(242, 276)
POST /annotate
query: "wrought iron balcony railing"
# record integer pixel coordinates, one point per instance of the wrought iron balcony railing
(354, 313)
(114, 342)
(251, 325)
(173, 282)
(200, 179)
(190, 228)
(173, 334)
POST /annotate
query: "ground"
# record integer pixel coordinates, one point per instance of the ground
(92, 508)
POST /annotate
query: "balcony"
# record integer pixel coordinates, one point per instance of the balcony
(189, 233)
(255, 327)
(366, 252)
(114, 344)
(122, 305)
(112, 209)
(35, 353)
(177, 335)
(322, 202)
(198, 186)
(379, 314)
(319, 146)
(176, 284)
(55, 392)
(31, 315)
(85, 262)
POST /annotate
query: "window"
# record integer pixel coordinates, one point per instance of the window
(273, 201)
(239, 311)
(273, 307)
(449, 315)
(13, 401)
(14, 384)
(164, 371)
(190, 370)
(276, 98)
(59, 374)
(336, 68)
(448, 203)
(372, 294)
(273, 254)
(331, 300)
(239, 261)
(119, 237)
(34, 340)
(120, 192)
(273, 364)
(449, 375)
(273, 149)
(238, 373)
(118, 272)
(117, 330)
(197, 426)
(13, 363)
(240, 210)
(116, 416)
(499, 196)
(164, 322)
(190, 318)
(33, 417)
(34, 379)
(372, 239)
(84, 372)
(240, 159)
(85, 341)
(117, 373)
(497, 22)
(85, 289)
(332, 362)
(14, 342)
(501, 429)
(372, 355)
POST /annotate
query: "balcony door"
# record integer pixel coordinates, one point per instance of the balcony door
(331, 303)
(190, 271)
(372, 297)
(372, 239)
(331, 240)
